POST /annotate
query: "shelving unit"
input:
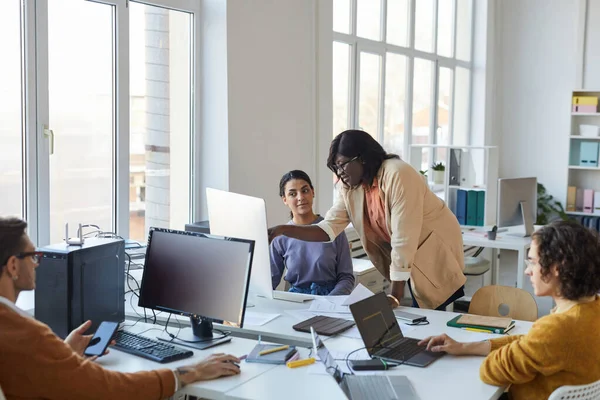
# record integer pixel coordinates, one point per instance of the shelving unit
(582, 176)
(478, 171)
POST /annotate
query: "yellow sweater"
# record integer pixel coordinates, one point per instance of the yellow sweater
(560, 349)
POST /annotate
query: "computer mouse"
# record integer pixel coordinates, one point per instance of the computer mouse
(234, 363)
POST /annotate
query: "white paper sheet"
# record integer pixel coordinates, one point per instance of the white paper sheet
(258, 318)
(359, 293)
(333, 305)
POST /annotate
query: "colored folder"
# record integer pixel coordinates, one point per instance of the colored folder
(588, 201)
(472, 207)
(279, 357)
(480, 208)
(461, 206)
(571, 195)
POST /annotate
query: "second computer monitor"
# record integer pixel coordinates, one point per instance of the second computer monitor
(237, 215)
(517, 203)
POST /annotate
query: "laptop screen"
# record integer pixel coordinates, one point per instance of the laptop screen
(331, 366)
(376, 322)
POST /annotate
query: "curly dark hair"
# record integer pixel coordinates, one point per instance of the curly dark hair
(354, 143)
(575, 251)
(12, 238)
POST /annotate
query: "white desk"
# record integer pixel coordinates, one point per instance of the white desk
(449, 377)
(503, 242)
(214, 389)
(289, 384)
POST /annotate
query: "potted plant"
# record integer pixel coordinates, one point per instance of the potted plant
(424, 175)
(548, 208)
(438, 172)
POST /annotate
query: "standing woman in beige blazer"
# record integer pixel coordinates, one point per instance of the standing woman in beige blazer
(406, 230)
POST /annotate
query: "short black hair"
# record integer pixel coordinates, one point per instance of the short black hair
(294, 174)
(355, 143)
(12, 240)
(575, 251)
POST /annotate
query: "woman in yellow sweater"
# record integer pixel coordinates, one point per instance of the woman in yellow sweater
(562, 348)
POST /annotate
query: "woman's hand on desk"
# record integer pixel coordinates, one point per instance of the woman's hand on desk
(212, 367)
(446, 344)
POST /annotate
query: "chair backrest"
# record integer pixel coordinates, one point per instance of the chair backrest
(504, 301)
(590, 391)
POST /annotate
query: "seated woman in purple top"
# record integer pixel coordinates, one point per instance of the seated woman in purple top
(312, 267)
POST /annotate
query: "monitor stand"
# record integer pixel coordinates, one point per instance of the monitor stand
(527, 222)
(199, 337)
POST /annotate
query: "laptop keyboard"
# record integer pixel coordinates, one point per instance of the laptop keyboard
(401, 350)
(371, 387)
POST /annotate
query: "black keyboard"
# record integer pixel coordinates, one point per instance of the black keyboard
(402, 350)
(149, 348)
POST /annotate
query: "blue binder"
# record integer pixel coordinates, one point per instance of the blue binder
(461, 206)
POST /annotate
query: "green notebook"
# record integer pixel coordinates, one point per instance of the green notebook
(490, 324)
(279, 357)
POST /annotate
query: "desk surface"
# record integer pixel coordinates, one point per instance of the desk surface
(450, 374)
(214, 389)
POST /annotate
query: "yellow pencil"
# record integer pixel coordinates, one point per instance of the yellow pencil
(273, 350)
(477, 330)
(300, 363)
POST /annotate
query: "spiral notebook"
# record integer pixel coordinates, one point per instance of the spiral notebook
(278, 357)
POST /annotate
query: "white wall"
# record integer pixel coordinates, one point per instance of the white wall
(264, 119)
(271, 78)
(536, 67)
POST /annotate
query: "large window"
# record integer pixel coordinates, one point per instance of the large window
(97, 104)
(402, 70)
(161, 103)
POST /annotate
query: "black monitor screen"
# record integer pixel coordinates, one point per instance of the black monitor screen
(197, 274)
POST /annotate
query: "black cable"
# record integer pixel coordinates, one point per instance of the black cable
(423, 322)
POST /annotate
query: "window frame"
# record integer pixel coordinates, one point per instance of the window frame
(358, 44)
(36, 147)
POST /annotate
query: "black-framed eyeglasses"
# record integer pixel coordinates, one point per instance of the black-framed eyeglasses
(339, 168)
(36, 256)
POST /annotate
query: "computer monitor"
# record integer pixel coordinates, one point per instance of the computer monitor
(232, 214)
(517, 203)
(201, 276)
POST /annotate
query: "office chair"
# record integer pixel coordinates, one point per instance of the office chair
(590, 391)
(488, 301)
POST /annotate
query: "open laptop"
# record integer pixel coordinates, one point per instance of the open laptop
(382, 336)
(363, 387)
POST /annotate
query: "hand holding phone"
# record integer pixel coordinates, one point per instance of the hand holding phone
(101, 339)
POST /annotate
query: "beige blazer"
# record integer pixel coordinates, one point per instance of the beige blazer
(426, 240)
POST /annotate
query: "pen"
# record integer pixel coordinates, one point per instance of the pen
(300, 363)
(477, 330)
(273, 350)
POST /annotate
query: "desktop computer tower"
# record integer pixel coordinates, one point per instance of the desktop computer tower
(77, 283)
